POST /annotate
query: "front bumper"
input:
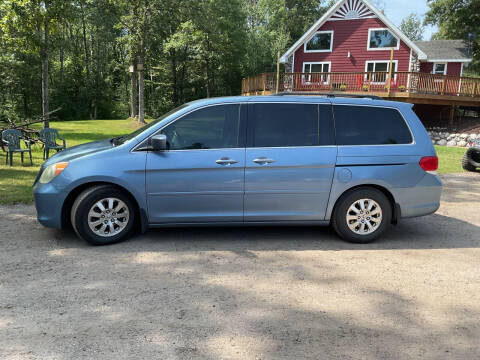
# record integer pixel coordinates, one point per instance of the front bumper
(422, 199)
(49, 202)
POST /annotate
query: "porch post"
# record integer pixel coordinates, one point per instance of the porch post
(278, 73)
(389, 85)
(452, 115)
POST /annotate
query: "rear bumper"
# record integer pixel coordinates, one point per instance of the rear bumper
(420, 200)
(48, 202)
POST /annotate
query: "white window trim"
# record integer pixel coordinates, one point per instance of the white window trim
(388, 69)
(319, 51)
(440, 63)
(460, 82)
(385, 48)
(329, 63)
(449, 60)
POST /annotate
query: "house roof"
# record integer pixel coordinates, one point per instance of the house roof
(421, 55)
(445, 50)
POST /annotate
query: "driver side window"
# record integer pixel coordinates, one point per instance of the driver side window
(214, 127)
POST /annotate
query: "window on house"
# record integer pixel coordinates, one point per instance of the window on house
(382, 39)
(321, 42)
(440, 69)
(321, 67)
(379, 70)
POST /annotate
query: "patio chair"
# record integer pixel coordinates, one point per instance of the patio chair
(49, 137)
(12, 138)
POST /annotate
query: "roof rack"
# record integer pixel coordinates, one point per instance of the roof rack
(329, 94)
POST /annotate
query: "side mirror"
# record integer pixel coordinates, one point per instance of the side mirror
(159, 142)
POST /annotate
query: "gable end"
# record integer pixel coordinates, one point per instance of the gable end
(351, 10)
(354, 7)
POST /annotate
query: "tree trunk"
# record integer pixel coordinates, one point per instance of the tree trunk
(133, 91)
(141, 83)
(26, 110)
(141, 96)
(86, 56)
(45, 105)
(62, 51)
(173, 64)
(141, 90)
(207, 69)
(96, 43)
(85, 44)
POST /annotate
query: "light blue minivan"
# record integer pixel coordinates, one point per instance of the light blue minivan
(358, 164)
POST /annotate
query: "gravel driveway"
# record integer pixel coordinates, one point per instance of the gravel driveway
(246, 293)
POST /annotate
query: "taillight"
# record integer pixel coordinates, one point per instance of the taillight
(429, 163)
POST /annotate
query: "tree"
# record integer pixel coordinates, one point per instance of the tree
(456, 19)
(76, 54)
(412, 27)
(29, 23)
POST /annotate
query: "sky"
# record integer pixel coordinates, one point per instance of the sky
(396, 10)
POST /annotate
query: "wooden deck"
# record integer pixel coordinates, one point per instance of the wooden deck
(416, 88)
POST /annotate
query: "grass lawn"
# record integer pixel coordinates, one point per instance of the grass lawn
(450, 159)
(16, 182)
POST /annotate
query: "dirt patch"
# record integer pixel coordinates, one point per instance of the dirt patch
(246, 293)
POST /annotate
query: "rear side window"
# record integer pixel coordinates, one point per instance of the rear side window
(363, 125)
(288, 125)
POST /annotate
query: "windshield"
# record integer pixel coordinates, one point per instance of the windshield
(126, 138)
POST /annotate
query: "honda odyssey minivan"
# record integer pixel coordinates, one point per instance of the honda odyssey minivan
(358, 164)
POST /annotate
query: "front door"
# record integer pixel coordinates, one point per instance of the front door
(201, 177)
(290, 162)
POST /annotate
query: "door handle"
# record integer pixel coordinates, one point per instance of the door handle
(263, 161)
(226, 161)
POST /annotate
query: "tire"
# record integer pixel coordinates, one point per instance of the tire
(466, 164)
(376, 222)
(112, 227)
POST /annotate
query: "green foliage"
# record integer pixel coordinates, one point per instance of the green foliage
(412, 27)
(455, 20)
(190, 49)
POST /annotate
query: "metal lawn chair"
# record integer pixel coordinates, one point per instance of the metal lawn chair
(12, 138)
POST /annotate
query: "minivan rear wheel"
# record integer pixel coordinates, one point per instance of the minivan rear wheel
(362, 215)
(103, 215)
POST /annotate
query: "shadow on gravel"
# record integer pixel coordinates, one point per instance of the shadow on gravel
(430, 232)
(238, 293)
(138, 300)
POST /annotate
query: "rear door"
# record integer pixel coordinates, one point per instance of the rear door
(290, 161)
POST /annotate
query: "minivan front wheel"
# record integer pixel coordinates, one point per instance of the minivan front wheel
(362, 215)
(103, 215)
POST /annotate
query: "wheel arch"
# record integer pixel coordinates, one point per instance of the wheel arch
(396, 211)
(140, 213)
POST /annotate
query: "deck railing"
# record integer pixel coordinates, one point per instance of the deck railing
(367, 82)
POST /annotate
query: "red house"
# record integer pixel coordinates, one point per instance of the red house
(356, 49)
(355, 37)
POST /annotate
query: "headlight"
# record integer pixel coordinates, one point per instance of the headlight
(52, 171)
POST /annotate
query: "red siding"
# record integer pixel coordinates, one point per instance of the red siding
(453, 68)
(352, 35)
(426, 67)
